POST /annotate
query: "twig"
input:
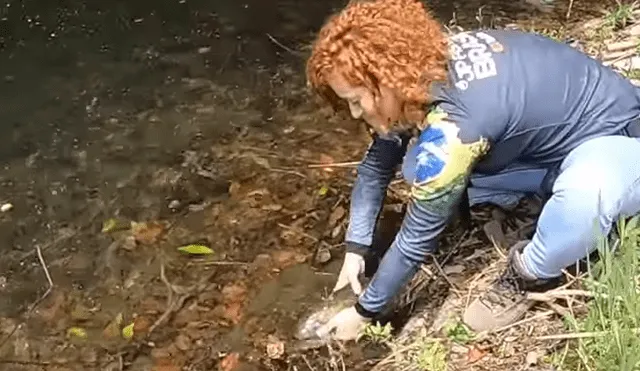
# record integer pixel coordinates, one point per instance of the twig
(273, 39)
(580, 335)
(308, 364)
(566, 17)
(334, 164)
(621, 57)
(526, 320)
(559, 294)
(295, 230)
(444, 275)
(43, 264)
(292, 172)
(170, 302)
(219, 262)
(33, 306)
(577, 335)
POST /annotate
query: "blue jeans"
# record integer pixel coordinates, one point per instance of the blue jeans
(598, 182)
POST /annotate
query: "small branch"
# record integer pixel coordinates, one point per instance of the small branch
(273, 40)
(297, 231)
(43, 264)
(566, 17)
(170, 303)
(334, 164)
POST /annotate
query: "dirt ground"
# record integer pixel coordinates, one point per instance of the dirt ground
(137, 128)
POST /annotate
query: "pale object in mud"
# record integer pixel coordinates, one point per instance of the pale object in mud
(6, 207)
(309, 325)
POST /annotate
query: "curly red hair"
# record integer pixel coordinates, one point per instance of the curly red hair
(393, 43)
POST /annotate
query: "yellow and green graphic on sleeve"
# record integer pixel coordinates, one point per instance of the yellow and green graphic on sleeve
(443, 162)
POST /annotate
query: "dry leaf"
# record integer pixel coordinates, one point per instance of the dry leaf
(336, 216)
(230, 362)
(475, 354)
(195, 250)
(147, 233)
(113, 329)
(454, 269)
(275, 348)
(326, 159)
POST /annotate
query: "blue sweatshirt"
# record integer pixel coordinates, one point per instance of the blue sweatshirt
(511, 97)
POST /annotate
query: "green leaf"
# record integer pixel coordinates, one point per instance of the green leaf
(196, 250)
(112, 225)
(109, 225)
(77, 332)
(127, 332)
(323, 190)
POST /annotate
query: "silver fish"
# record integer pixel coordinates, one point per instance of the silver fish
(309, 325)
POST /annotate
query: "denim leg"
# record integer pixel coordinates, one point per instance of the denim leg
(599, 182)
(504, 189)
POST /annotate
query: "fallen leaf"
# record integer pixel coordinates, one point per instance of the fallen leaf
(141, 324)
(109, 225)
(77, 332)
(230, 362)
(196, 250)
(113, 328)
(336, 216)
(323, 191)
(475, 354)
(113, 224)
(326, 159)
(147, 233)
(233, 312)
(127, 331)
(454, 269)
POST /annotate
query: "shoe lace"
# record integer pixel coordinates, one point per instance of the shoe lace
(506, 290)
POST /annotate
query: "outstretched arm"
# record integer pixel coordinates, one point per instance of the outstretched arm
(443, 165)
(374, 175)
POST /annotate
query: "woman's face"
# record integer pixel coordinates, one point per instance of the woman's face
(380, 109)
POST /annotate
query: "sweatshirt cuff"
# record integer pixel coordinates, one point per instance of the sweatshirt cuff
(363, 312)
(356, 248)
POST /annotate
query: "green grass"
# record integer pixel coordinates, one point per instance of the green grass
(620, 15)
(613, 317)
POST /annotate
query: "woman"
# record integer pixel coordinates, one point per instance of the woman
(507, 111)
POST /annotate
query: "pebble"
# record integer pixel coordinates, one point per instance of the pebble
(174, 204)
(6, 207)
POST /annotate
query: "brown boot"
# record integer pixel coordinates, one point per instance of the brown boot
(505, 301)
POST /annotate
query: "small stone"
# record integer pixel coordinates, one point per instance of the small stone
(532, 358)
(6, 207)
(323, 255)
(174, 204)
